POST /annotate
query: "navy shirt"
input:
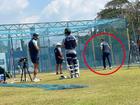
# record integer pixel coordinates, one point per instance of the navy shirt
(105, 47)
(57, 52)
(32, 49)
(70, 42)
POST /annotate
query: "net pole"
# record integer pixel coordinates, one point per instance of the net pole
(40, 55)
(128, 38)
(79, 48)
(44, 65)
(112, 53)
(133, 31)
(49, 53)
(93, 50)
(12, 58)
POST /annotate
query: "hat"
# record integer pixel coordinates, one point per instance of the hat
(67, 31)
(35, 34)
(58, 44)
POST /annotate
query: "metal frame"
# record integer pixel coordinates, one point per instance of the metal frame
(10, 32)
(50, 28)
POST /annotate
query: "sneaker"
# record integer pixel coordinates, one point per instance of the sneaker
(72, 75)
(110, 68)
(104, 68)
(77, 75)
(4, 82)
(62, 77)
(36, 80)
(61, 73)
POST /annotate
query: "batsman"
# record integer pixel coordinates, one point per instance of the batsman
(70, 44)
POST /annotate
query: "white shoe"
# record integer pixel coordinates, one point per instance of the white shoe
(110, 68)
(36, 80)
(62, 77)
(77, 75)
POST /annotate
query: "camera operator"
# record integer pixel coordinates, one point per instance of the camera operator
(34, 54)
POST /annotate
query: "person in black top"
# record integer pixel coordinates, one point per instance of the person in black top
(138, 43)
(70, 44)
(134, 51)
(34, 54)
(106, 52)
(58, 58)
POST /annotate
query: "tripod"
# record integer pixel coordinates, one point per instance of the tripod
(24, 68)
(134, 55)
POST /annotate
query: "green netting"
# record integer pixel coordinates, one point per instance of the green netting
(14, 41)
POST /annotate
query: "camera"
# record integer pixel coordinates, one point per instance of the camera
(23, 59)
(23, 62)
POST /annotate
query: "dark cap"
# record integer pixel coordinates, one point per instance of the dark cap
(67, 31)
(35, 35)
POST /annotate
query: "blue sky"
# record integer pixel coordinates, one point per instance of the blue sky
(29, 11)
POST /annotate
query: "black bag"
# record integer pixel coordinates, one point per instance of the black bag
(2, 72)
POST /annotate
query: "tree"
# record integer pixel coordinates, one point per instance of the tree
(113, 9)
(123, 9)
(116, 4)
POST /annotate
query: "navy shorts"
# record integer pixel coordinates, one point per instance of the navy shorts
(35, 59)
(59, 61)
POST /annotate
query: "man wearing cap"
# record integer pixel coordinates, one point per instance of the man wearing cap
(34, 54)
(58, 58)
(70, 44)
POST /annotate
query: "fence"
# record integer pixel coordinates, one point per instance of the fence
(14, 41)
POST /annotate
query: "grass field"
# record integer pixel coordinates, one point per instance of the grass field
(121, 88)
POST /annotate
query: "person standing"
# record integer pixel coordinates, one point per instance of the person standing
(58, 58)
(138, 42)
(106, 52)
(70, 44)
(34, 54)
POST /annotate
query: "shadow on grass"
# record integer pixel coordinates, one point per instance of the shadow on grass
(46, 86)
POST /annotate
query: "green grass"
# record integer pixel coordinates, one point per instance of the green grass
(121, 88)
